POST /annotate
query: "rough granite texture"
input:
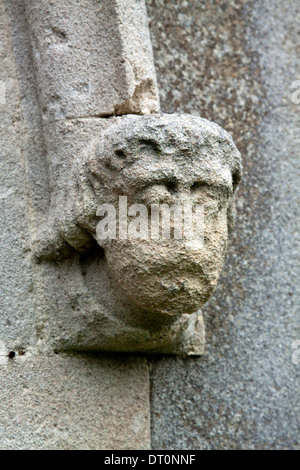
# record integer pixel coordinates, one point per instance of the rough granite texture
(74, 403)
(91, 58)
(48, 401)
(16, 295)
(234, 62)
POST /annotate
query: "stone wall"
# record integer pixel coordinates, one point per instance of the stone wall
(48, 401)
(234, 62)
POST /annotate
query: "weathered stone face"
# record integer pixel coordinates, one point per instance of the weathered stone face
(148, 289)
(173, 160)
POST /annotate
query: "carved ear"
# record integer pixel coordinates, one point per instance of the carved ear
(71, 228)
(75, 221)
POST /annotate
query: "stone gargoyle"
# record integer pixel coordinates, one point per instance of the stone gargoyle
(144, 294)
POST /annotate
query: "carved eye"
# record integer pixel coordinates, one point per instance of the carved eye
(198, 185)
(149, 144)
(171, 186)
(120, 154)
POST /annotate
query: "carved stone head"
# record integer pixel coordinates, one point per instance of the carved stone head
(154, 160)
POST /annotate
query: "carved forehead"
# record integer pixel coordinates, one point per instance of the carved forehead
(181, 136)
(140, 146)
(165, 131)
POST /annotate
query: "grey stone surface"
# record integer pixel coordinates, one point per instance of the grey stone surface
(92, 58)
(233, 62)
(16, 287)
(72, 403)
(85, 300)
(48, 401)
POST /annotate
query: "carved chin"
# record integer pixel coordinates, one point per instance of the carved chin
(179, 286)
(165, 295)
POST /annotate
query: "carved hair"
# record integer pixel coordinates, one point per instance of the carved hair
(105, 167)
